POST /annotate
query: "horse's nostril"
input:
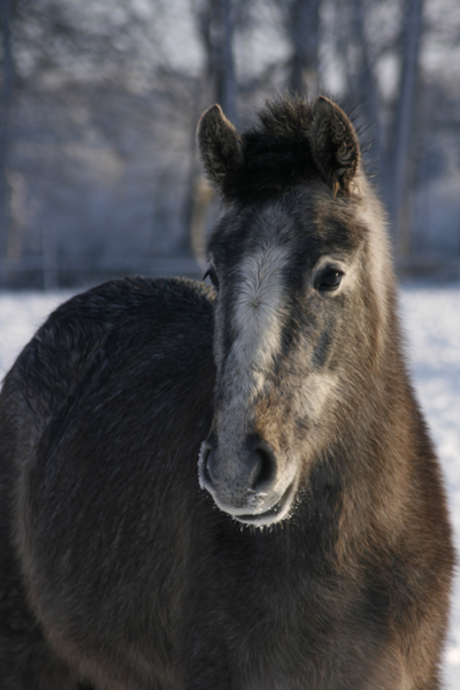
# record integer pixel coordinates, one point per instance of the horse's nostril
(264, 470)
(206, 450)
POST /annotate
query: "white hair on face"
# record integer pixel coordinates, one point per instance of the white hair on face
(258, 321)
(259, 307)
(260, 296)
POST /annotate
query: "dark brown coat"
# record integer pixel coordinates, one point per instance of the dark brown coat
(328, 565)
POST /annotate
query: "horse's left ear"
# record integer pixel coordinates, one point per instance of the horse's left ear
(220, 145)
(334, 145)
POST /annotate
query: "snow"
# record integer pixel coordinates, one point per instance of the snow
(431, 319)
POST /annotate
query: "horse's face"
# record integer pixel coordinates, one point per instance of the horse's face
(295, 329)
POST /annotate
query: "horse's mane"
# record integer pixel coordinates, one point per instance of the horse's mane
(277, 153)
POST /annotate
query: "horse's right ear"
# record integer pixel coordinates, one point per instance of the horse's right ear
(220, 145)
(334, 145)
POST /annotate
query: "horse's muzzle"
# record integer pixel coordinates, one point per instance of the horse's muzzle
(245, 484)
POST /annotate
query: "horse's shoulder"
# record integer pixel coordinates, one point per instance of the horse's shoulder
(130, 318)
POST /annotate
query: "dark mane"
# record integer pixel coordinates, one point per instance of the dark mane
(277, 152)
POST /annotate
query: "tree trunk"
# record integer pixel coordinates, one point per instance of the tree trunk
(5, 106)
(402, 130)
(303, 23)
(366, 88)
(217, 27)
(226, 82)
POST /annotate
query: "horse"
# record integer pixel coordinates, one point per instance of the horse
(231, 485)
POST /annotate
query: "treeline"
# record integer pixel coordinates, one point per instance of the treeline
(99, 105)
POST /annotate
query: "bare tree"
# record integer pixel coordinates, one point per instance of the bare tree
(302, 21)
(6, 11)
(365, 85)
(216, 24)
(403, 123)
(109, 75)
(390, 124)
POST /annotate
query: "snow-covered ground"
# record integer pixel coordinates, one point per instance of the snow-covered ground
(431, 317)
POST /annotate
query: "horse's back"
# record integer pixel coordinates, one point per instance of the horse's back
(102, 417)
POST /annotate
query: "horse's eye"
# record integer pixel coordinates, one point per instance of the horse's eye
(330, 280)
(212, 275)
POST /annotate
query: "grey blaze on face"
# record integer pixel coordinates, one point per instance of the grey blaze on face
(285, 260)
